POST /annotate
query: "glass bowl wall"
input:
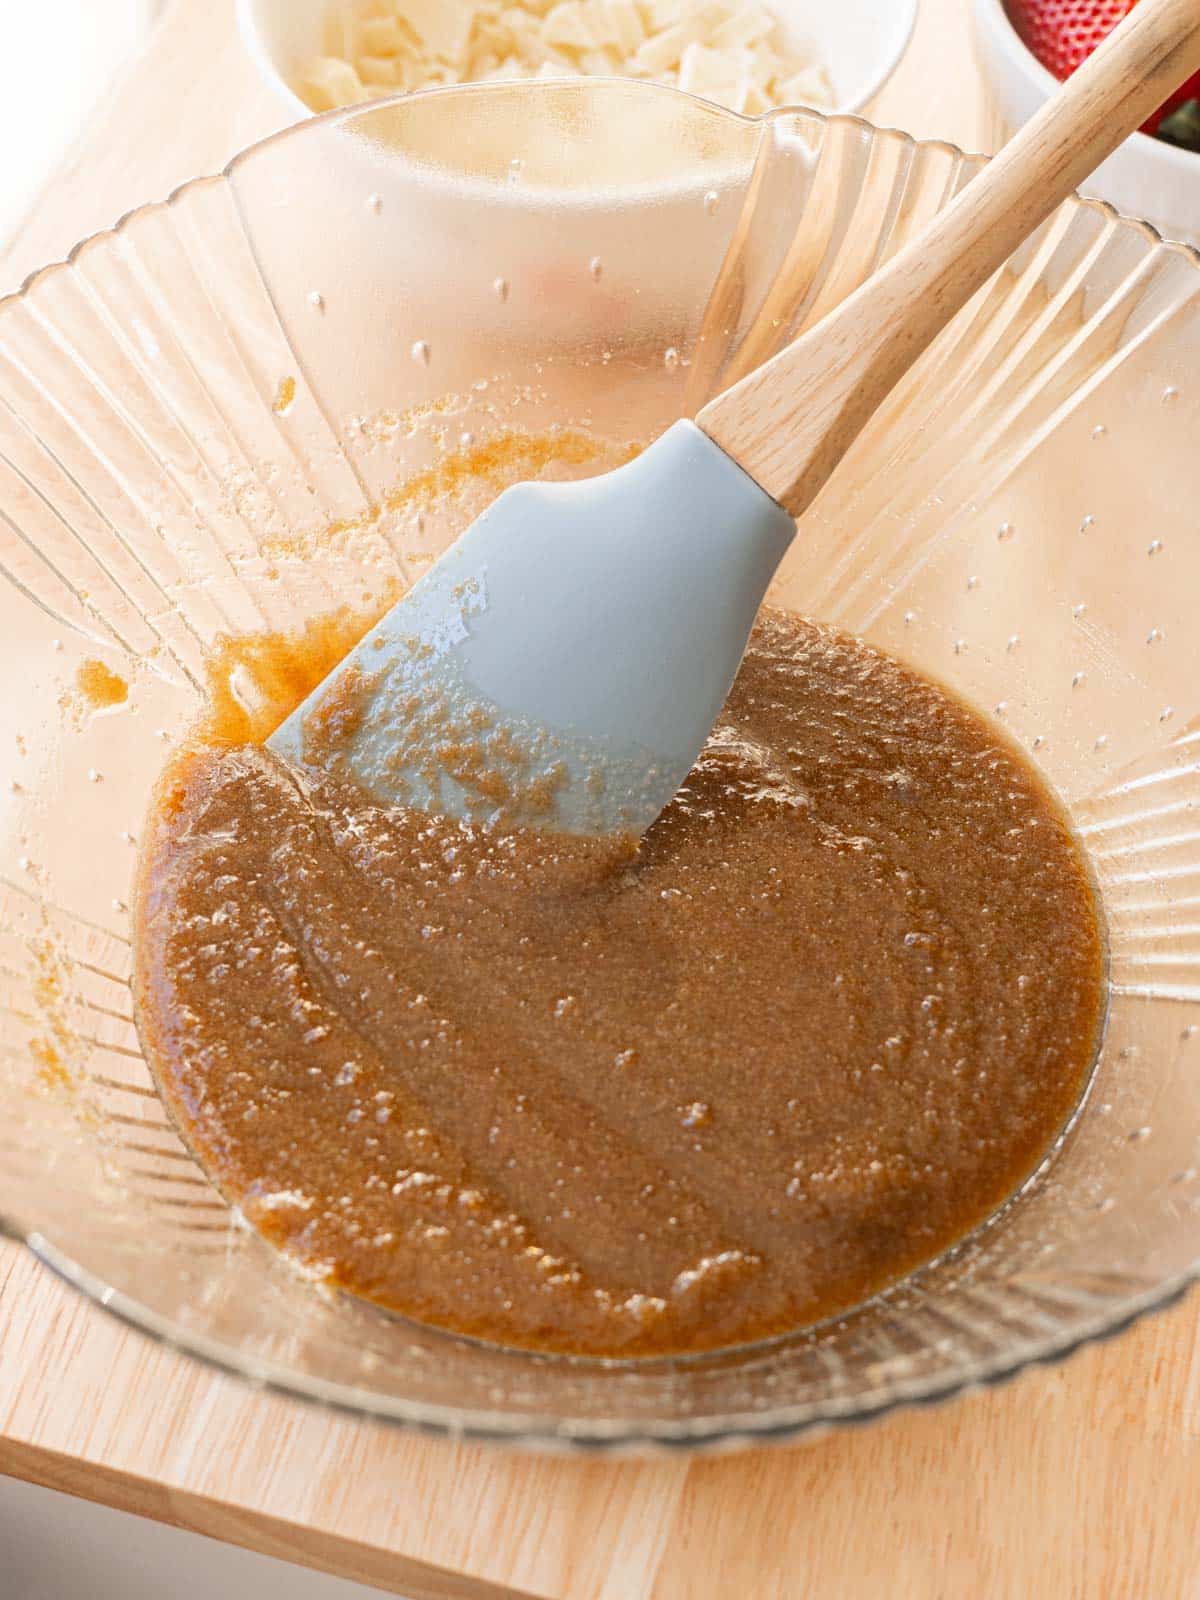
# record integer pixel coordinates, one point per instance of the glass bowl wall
(204, 418)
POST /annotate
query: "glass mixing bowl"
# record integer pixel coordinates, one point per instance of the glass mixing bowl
(201, 418)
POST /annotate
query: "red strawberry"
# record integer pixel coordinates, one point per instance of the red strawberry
(1063, 33)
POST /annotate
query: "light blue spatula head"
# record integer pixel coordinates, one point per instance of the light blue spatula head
(563, 663)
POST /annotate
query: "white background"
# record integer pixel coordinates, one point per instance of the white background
(55, 1548)
(59, 58)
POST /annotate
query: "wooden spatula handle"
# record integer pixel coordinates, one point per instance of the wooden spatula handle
(790, 422)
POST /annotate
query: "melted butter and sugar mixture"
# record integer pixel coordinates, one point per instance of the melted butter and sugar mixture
(631, 1097)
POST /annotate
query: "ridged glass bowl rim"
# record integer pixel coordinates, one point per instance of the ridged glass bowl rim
(595, 1434)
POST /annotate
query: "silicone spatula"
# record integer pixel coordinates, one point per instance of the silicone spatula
(563, 663)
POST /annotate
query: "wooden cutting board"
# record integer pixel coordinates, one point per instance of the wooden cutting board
(1078, 1480)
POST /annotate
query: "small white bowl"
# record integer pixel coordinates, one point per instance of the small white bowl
(858, 42)
(1145, 178)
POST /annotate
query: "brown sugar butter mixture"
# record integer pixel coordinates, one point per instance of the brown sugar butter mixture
(623, 1097)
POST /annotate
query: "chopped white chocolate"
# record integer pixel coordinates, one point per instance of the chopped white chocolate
(598, 23)
(340, 40)
(443, 27)
(722, 75)
(510, 67)
(380, 36)
(626, 23)
(742, 27)
(329, 82)
(567, 26)
(380, 70)
(660, 14)
(731, 51)
(665, 49)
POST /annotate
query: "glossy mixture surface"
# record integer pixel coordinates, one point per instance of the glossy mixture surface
(629, 1098)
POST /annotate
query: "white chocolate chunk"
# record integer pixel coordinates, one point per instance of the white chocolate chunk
(722, 75)
(443, 27)
(746, 26)
(380, 36)
(665, 49)
(567, 26)
(626, 25)
(660, 14)
(731, 51)
(378, 70)
(329, 82)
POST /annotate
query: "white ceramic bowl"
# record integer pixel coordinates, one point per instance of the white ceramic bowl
(1145, 178)
(858, 42)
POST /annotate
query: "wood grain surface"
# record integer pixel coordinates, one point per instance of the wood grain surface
(1081, 1480)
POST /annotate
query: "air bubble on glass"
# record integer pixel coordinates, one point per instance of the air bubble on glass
(1078, 609)
(1166, 713)
(1078, 680)
(960, 647)
(1005, 531)
(909, 618)
(1154, 547)
(1101, 741)
(421, 352)
(711, 201)
(670, 357)
(316, 299)
(1154, 636)
(375, 203)
(500, 289)
(1099, 431)
(514, 169)
(596, 268)
(1014, 640)
(1170, 394)
(1088, 523)
(973, 582)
